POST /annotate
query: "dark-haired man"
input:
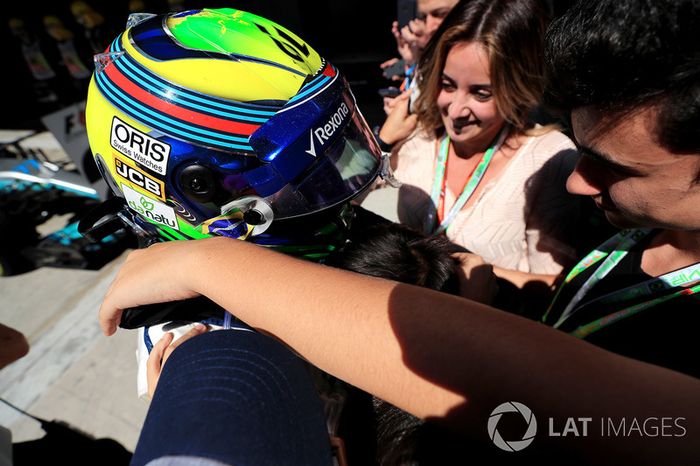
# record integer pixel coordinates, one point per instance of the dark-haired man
(632, 90)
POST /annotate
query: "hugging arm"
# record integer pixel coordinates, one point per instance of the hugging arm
(455, 366)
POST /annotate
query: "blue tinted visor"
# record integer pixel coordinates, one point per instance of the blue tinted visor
(317, 152)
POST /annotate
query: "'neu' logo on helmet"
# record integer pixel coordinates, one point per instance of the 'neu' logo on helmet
(512, 407)
(325, 132)
(139, 147)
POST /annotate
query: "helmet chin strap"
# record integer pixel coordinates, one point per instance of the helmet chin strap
(109, 217)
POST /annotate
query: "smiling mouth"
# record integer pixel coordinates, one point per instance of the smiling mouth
(459, 125)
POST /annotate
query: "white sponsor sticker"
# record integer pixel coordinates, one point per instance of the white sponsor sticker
(139, 147)
(139, 178)
(326, 131)
(150, 208)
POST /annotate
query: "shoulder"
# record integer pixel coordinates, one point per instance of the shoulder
(552, 148)
(548, 144)
(419, 141)
(417, 149)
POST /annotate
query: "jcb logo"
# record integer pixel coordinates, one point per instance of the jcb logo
(139, 178)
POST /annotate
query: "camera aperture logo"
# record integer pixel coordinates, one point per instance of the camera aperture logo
(604, 427)
(512, 445)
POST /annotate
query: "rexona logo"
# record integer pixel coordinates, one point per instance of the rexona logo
(326, 131)
(512, 445)
(150, 208)
(139, 147)
(139, 178)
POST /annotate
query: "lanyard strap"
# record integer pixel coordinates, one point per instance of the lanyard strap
(598, 324)
(654, 286)
(438, 189)
(618, 245)
(616, 248)
(406, 84)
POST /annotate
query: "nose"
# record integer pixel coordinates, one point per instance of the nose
(460, 105)
(582, 180)
(431, 25)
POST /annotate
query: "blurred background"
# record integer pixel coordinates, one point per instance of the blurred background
(48, 61)
(355, 36)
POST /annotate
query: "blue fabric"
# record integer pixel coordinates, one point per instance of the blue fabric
(239, 398)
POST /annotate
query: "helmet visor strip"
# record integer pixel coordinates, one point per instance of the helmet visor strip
(320, 153)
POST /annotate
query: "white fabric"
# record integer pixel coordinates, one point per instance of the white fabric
(518, 220)
(155, 333)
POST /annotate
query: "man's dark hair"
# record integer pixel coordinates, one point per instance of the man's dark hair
(621, 56)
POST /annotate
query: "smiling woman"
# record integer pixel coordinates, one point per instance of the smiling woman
(476, 167)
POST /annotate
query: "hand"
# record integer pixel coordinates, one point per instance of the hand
(161, 352)
(387, 64)
(399, 124)
(415, 36)
(476, 278)
(157, 274)
(389, 104)
(404, 47)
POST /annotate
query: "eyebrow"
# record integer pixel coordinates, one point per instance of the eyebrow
(442, 11)
(605, 159)
(471, 86)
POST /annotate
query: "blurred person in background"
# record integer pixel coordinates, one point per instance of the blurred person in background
(76, 60)
(98, 32)
(411, 39)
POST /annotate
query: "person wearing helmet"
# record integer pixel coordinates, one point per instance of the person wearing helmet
(222, 123)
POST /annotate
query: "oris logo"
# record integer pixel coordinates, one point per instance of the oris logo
(139, 147)
(323, 133)
(140, 179)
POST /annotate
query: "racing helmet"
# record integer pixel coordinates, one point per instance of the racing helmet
(220, 122)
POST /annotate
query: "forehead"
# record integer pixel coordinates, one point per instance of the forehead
(468, 62)
(426, 6)
(627, 140)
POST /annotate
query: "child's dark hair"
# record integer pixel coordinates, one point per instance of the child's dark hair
(397, 252)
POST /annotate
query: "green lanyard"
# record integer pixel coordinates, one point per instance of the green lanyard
(614, 250)
(598, 324)
(438, 188)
